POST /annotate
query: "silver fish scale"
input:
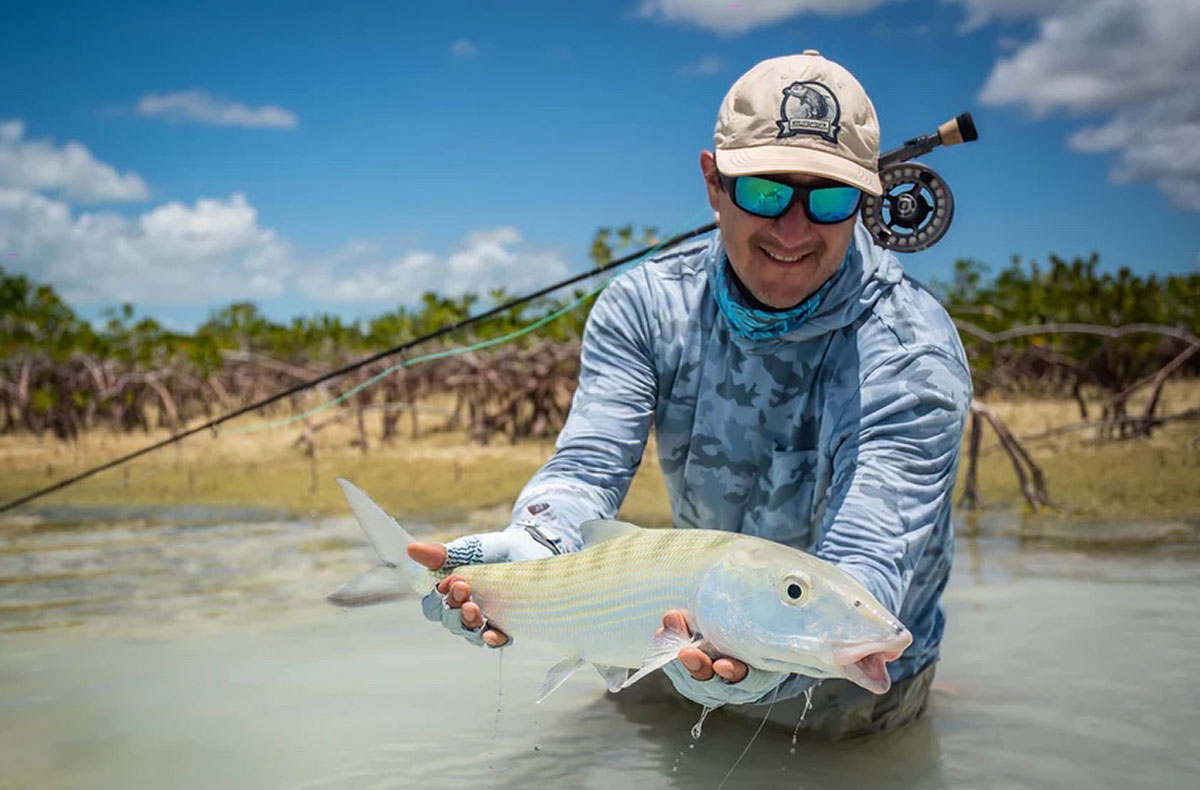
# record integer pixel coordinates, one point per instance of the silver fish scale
(604, 603)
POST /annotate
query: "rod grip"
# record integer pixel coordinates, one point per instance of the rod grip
(958, 130)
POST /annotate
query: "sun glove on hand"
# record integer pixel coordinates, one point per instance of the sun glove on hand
(514, 544)
(716, 691)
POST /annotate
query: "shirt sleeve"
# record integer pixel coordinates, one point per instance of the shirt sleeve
(894, 469)
(601, 445)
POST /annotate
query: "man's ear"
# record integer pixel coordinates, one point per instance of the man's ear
(708, 169)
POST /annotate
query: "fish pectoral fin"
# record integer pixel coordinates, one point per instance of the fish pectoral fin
(381, 584)
(558, 675)
(599, 530)
(664, 649)
(614, 677)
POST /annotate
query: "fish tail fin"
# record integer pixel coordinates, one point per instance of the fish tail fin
(384, 582)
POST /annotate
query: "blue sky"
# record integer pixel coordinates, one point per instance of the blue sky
(346, 157)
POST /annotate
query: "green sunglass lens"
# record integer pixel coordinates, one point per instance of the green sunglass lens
(770, 199)
(833, 204)
(763, 197)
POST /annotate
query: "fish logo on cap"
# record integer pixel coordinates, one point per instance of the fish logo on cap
(809, 108)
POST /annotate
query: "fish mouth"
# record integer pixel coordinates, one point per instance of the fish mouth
(865, 663)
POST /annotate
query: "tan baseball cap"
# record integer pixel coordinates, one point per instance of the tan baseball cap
(799, 114)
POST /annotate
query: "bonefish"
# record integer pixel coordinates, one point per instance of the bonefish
(771, 606)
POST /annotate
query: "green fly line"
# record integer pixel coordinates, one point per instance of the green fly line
(543, 321)
(285, 421)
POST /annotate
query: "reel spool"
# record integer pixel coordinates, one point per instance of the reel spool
(916, 206)
(914, 211)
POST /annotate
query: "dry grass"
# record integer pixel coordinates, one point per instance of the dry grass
(441, 477)
(1153, 478)
(444, 478)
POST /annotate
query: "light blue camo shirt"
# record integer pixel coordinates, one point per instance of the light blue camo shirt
(840, 438)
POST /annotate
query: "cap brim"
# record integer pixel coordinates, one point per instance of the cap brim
(761, 159)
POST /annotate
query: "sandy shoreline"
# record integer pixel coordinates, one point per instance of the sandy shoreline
(444, 478)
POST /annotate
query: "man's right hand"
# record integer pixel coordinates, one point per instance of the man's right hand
(464, 615)
(450, 603)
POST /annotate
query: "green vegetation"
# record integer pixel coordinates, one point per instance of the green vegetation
(59, 374)
(110, 388)
(1070, 293)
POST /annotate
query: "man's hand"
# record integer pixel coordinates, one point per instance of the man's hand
(457, 591)
(456, 611)
(715, 682)
(696, 660)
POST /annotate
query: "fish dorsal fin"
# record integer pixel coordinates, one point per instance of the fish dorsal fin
(600, 530)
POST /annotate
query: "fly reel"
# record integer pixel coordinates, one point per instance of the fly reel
(913, 212)
(916, 206)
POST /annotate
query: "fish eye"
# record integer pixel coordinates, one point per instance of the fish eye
(794, 588)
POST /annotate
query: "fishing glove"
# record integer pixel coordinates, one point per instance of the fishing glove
(517, 542)
(717, 691)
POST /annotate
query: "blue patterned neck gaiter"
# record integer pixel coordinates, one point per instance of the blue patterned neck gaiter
(755, 324)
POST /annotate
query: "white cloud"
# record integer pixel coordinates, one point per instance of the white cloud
(981, 12)
(215, 250)
(1133, 63)
(488, 258)
(69, 170)
(201, 107)
(723, 16)
(464, 48)
(172, 254)
(703, 67)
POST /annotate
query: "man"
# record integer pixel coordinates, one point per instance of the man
(801, 388)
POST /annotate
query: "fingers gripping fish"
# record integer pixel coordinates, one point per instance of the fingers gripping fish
(774, 607)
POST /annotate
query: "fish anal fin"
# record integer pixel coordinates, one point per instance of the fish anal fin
(664, 649)
(600, 530)
(614, 677)
(558, 675)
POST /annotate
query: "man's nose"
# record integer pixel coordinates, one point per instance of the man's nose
(793, 227)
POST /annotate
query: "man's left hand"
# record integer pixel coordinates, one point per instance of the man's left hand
(715, 682)
(697, 662)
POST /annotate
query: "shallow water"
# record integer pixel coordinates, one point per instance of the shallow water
(140, 654)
